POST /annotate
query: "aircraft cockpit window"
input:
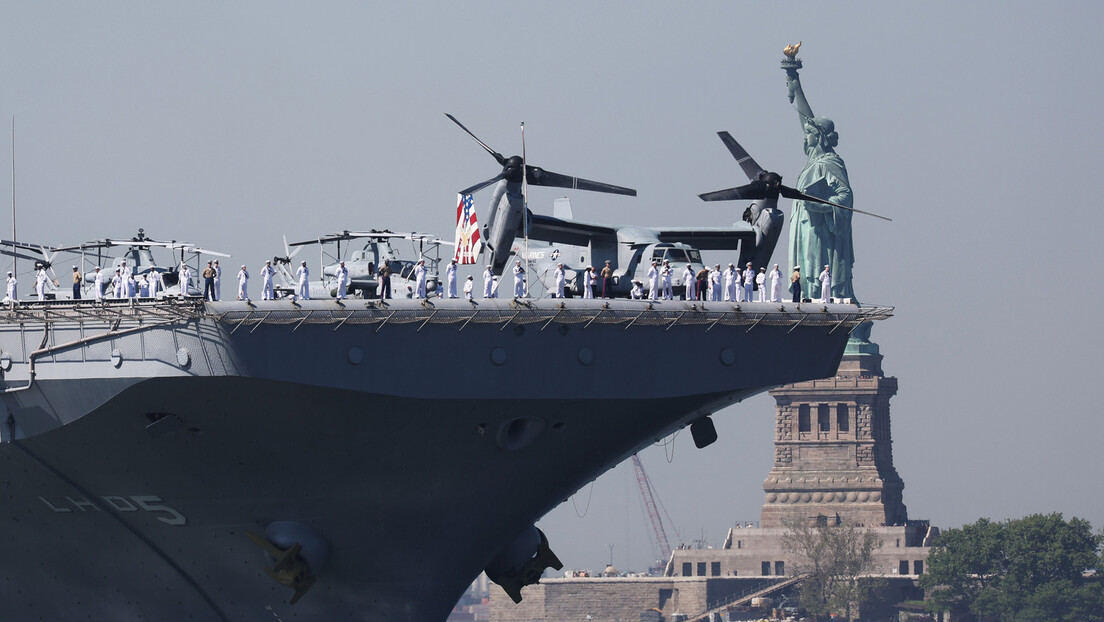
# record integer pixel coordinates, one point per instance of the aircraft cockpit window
(678, 255)
(695, 256)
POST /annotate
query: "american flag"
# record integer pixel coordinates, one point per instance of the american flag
(467, 231)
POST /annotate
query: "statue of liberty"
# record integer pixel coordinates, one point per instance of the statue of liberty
(820, 235)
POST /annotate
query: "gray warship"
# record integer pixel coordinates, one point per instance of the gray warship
(147, 444)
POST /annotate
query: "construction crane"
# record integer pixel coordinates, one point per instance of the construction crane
(648, 494)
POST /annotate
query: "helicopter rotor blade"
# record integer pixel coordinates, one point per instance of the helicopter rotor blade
(792, 193)
(743, 158)
(497, 156)
(540, 177)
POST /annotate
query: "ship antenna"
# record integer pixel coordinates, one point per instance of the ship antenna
(14, 237)
(525, 207)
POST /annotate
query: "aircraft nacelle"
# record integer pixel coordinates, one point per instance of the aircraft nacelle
(507, 207)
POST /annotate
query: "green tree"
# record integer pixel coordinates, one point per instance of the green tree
(830, 559)
(1024, 570)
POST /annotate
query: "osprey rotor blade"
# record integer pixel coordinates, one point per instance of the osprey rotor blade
(497, 156)
(540, 177)
(484, 184)
(792, 193)
(752, 191)
(743, 158)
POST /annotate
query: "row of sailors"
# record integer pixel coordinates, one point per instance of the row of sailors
(738, 285)
(124, 284)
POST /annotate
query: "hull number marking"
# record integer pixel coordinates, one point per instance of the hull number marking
(147, 503)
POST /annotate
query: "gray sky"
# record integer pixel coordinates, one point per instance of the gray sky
(975, 126)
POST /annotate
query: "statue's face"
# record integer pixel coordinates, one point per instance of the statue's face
(812, 135)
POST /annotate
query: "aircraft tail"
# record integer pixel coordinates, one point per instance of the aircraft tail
(468, 243)
(561, 208)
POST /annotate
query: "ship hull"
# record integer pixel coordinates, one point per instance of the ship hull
(131, 493)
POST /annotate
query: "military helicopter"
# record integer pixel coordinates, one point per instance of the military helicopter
(138, 255)
(507, 205)
(363, 264)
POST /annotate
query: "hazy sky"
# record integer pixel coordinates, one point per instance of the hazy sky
(976, 126)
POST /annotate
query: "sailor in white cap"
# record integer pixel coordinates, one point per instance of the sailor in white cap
(468, 287)
(77, 278)
(715, 283)
(266, 281)
(98, 283)
(653, 281)
(561, 280)
(303, 274)
(185, 279)
(154, 283)
(218, 281)
(519, 280)
(665, 274)
(117, 283)
(342, 275)
(40, 282)
(730, 283)
(588, 282)
(488, 282)
(637, 290)
(749, 282)
(775, 284)
(11, 285)
(243, 284)
(143, 286)
(761, 283)
(825, 283)
(450, 278)
(688, 280)
(420, 279)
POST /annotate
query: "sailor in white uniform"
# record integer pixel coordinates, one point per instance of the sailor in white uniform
(761, 283)
(749, 282)
(825, 284)
(776, 284)
(688, 279)
(243, 284)
(637, 290)
(730, 283)
(117, 284)
(519, 280)
(420, 279)
(715, 283)
(561, 280)
(450, 278)
(588, 283)
(11, 285)
(143, 287)
(653, 281)
(40, 283)
(468, 285)
(266, 281)
(303, 274)
(488, 283)
(132, 286)
(665, 275)
(98, 283)
(154, 283)
(218, 281)
(342, 275)
(124, 270)
(185, 280)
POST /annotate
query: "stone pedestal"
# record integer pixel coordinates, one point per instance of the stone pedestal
(833, 454)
